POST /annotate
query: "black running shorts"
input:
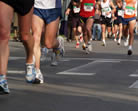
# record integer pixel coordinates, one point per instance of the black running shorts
(22, 7)
(107, 21)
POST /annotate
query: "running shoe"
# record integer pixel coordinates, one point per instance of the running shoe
(87, 50)
(81, 38)
(115, 40)
(4, 86)
(129, 52)
(104, 43)
(89, 46)
(39, 79)
(54, 59)
(30, 73)
(119, 42)
(44, 52)
(126, 43)
(84, 46)
(77, 45)
(60, 50)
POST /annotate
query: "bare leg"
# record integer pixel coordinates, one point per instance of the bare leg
(131, 31)
(103, 33)
(89, 28)
(51, 33)
(6, 15)
(25, 31)
(37, 27)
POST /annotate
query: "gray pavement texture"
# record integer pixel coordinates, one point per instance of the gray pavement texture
(104, 80)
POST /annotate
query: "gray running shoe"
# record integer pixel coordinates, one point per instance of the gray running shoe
(60, 50)
(30, 73)
(44, 52)
(89, 46)
(39, 79)
(4, 86)
(54, 59)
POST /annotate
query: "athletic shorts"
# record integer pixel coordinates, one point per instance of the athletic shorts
(22, 7)
(75, 22)
(48, 15)
(118, 21)
(84, 20)
(127, 20)
(106, 21)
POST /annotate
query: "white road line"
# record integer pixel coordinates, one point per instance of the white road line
(15, 72)
(133, 75)
(134, 60)
(69, 59)
(75, 73)
(16, 58)
(134, 85)
(76, 70)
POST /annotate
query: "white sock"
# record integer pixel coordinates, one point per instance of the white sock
(130, 47)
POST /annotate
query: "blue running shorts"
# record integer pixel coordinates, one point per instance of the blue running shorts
(48, 15)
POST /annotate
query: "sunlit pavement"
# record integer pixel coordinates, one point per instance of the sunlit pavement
(104, 80)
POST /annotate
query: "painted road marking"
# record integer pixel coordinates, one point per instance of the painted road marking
(69, 59)
(86, 67)
(75, 73)
(133, 75)
(134, 85)
(15, 72)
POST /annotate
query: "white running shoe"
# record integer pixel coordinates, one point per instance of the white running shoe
(89, 46)
(39, 79)
(61, 46)
(44, 52)
(30, 73)
(4, 86)
(126, 43)
(59, 52)
(115, 40)
(54, 59)
(104, 43)
(87, 50)
(119, 42)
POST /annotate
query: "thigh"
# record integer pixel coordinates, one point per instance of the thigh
(51, 30)
(120, 27)
(37, 27)
(132, 26)
(6, 15)
(25, 23)
(116, 27)
(89, 23)
(103, 27)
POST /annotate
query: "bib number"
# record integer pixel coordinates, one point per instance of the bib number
(88, 7)
(129, 10)
(105, 10)
(120, 13)
(76, 10)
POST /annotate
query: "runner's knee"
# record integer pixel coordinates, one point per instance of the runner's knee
(48, 44)
(25, 35)
(4, 35)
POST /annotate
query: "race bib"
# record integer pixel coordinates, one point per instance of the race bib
(105, 10)
(76, 10)
(120, 13)
(88, 7)
(129, 10)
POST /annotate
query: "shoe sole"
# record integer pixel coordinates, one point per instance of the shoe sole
(2, 92)
(129, 52)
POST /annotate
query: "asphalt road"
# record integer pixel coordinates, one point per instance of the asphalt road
(104, 80)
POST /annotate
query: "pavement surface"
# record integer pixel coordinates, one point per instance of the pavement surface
(104, 80)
